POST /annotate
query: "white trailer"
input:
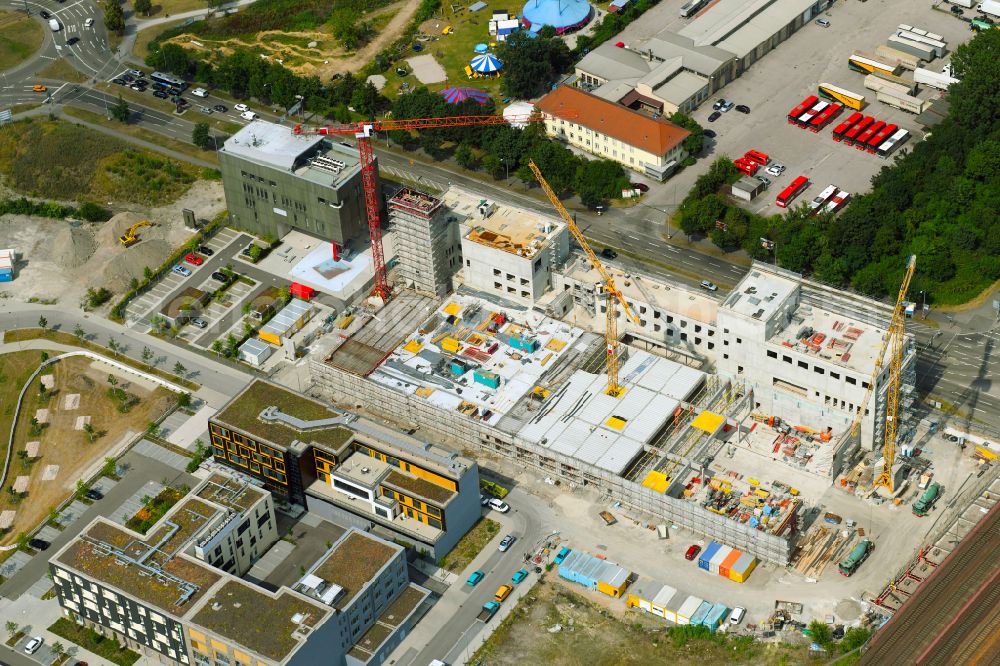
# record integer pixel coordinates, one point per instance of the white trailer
(904, 102)
(928, 77)
(907, 60)
(878, 84)
(922, 51)
(963, 3)
(940, 48)
(990, 7)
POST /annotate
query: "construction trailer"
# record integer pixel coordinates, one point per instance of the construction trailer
(594, 573)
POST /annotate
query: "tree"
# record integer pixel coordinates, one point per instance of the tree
(112, 380)
(152, 429)
(366, 100)
(184, 400)
(854, 638)
(464, 156)
(88, 429)
(42, 322)
(201, 137)
(44, 356)
(179, 369)
(693, 144)
(22, 540)
(217, 346)
(58, 649)
(147, 354)
(143, 7)
(821, 633)
(110, 467)
(53, 514)
(114, 17)
(600, 180)
(147, 273)
(255, 252)
(11, 627)
(78, 331)
(120, 111)
(531, 65)
(113, 346)
(81, 489)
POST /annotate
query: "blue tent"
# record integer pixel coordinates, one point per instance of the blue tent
(486, 64)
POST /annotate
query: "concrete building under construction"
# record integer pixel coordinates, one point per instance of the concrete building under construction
(427, 245)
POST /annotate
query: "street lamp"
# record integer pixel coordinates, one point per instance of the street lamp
(923, 304)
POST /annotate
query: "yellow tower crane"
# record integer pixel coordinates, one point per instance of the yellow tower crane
(615, 297)
(893, 341)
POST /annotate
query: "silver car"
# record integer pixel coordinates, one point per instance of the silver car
(506, 543)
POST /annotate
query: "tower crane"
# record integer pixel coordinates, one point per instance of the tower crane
(615, 297)
(893, 341)
(362, 132)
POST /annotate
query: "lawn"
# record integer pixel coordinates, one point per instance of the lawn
(24, 334)
(470, 545)
(67, 452)
(141, 47)
(146, 135)
(88, 639)
(20, 36)
(192, 115)
(61, 70)
(55, 159)
(15, 368)
(592, 636)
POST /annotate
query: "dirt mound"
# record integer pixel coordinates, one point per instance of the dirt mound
(108, 233)
(72, 246)
(132, 262)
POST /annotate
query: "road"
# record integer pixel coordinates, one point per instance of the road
(954, 617)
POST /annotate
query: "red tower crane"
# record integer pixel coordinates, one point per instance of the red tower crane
(362, 131)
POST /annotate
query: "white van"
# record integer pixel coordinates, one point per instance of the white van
(737, 615)
(54, 24)
(199, 92)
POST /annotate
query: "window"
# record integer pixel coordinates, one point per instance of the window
(772, 354)
(851, 380)
(697, 328)
(497, 285)
(496, 271)
(818, 370)
(739, 341)
(786, 359)
(725, 356)
(835, 375)
(803, 364)
(711, 345)
(865, 385)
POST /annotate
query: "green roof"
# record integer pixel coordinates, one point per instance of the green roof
(352, 563)
(243, 411)
(419, 487)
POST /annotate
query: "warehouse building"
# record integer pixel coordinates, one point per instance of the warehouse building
(276, 181)
(645, 144)
(347, 468)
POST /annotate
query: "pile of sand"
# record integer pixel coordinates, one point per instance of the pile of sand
(72, 247)
(125, 264)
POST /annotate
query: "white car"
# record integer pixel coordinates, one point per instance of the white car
(506, 543)
(199, 92)
(88, 23)
(776, 169)
(498, 505)
(241, 107)
(248, 115)
(705, 284)
(31, 647)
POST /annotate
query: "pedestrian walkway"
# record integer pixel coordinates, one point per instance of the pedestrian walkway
(40, 587)
(14, 563)
(34, 616)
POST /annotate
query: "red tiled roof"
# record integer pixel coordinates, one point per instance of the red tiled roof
(654, 135)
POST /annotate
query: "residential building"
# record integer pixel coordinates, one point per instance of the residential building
(645, 144)
(276, 181)
(507, 251)
(315, 456)
(155, 595)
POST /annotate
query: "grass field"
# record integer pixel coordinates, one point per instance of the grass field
(471, 545)
(58, 160)
(15, 368)
(67, 451)
(144, 134)
(141, 47)
(592, 636)
(62, 70)
(20, 36)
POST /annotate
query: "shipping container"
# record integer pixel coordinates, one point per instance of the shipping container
(594, 573)
(661, 600)
(717, 559)
(741, 570)
(708, 554)
(673, 605)
(716, 616)
(688, 608)
(729, 562)
(6, 277)
(702, 612)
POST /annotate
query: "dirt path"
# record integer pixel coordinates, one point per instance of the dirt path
(393, 30)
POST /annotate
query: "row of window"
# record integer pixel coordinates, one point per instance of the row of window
(819, 370)
(511, 290)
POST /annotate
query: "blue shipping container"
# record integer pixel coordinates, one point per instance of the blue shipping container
(6, 277)
(708, 554)
(702, 612)
(716, 616)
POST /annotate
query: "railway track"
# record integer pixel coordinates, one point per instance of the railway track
(954, 616)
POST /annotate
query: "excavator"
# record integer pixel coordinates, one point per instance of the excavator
(128, 239)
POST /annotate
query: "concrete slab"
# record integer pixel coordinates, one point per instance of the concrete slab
(48, 533)
(193, 428)
(70, 401)
(50, 472)
(42, 415)
(40, 587)
(48, 381)
(81, 421)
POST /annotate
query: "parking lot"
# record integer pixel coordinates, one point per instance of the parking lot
(179, 100)
(792, 71)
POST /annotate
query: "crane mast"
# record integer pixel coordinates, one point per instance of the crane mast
(893, 342)
(614, 296)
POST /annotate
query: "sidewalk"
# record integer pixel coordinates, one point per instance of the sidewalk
(34, 616)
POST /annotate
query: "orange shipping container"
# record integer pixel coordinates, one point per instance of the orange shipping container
(729, 562)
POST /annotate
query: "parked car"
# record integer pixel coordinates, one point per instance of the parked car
(484, 500)
(499, 505)
(39, 544)
(692, 552)
(181, 270)
(31, 647)
(642, 187)
(714, 116)
(199, 92)
(503, 592)
(561, 555)
(737, 615)
(519, 575)
(88, 23)
(119, 81)
(474, 578)
(765, 180)
(45, 15)
(725, 108)
(823, 23)
(506, 543)
(246, 251)
(248, 115)
(205, 109)
(160, 94)
(241, 107)
(608, 253)
(134, 72)
(776, 169)
(719, 103)
(72, 40)
(705, 284)
(220, 276)
(94, 494)
(956, 10)
(205, 250)
(221, 108)
(401, 72)
(709, 133)
(199, 322)
(743, 108)
(193, 258)
(136, 86)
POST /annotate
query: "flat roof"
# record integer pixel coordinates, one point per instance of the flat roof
(269, 144)
(508, 359)
(739, 26)
(388, 621)
(505, 227)
(401, 523)
(353, 562)
(230, 491)
(581, 421)
(243, 411)
(761, 293)
(846, 341)
(288, 317)
(681, 86)
(266, 622)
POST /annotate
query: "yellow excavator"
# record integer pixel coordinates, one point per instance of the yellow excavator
(128, 239)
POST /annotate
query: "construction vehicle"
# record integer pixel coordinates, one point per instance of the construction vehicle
(923, 505)
(856, 557)
(615, 297)
(362, 132)
(894, 338)
(128, 239)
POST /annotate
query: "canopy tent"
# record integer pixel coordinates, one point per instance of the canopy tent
(486, 64)
(482, 48)
(516, 113)
(458, 95)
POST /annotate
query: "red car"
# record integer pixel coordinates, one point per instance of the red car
(692, 552)
(193, 258)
